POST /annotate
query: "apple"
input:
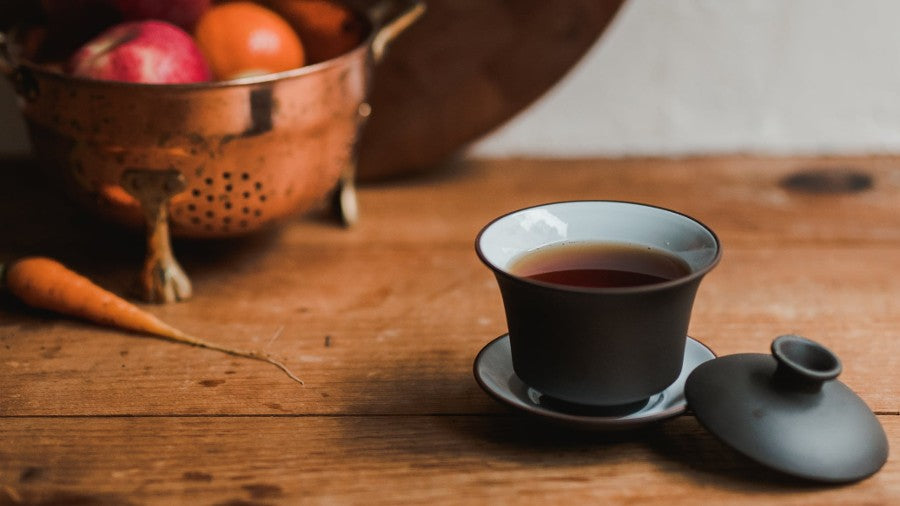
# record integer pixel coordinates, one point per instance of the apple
(183, 13)
(141, 51)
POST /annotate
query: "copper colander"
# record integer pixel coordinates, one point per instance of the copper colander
(214, 159)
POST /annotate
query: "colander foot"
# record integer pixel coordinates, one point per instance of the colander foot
(344, 203)
(162, 279)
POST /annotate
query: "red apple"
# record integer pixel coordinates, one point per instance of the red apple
(183, 13)
(144, 52)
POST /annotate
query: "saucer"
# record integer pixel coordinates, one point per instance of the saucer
(494, 373)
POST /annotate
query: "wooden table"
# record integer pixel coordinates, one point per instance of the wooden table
(383, 322)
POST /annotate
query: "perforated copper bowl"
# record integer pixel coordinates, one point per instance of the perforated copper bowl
(248, 151)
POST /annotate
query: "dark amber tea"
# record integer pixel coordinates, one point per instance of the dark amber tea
(599, 265)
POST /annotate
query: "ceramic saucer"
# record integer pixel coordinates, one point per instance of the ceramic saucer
(494, 373)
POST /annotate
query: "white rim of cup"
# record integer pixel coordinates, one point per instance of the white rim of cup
(694, 274)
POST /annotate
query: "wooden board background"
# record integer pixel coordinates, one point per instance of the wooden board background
(466, 67)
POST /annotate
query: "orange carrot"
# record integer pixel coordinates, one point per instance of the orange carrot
(47, 284)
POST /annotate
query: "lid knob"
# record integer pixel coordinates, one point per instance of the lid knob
(803, 364)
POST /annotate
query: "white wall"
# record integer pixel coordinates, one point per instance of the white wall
(703, 76)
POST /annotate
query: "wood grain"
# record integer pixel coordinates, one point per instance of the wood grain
(374, 341)
(388, 459)
(402, 300)
(383, 321)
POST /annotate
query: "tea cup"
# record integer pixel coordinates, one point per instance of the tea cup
(598, 344)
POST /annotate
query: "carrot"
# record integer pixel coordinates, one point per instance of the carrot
(47, 284)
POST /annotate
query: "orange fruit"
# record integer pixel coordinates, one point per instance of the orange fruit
(326, 28)
(243, 38)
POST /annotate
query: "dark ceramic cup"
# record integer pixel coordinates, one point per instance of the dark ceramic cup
(597, 346)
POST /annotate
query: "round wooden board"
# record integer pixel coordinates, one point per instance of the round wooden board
(463, 69)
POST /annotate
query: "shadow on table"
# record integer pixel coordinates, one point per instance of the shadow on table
(441, 415)
(682, 444)
(38, 219)
(682, 447)
(699, 456)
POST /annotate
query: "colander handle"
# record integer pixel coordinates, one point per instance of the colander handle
(391, 18)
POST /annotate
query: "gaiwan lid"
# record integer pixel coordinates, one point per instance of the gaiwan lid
(788, 412)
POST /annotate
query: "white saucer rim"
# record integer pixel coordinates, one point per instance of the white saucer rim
(611, 422)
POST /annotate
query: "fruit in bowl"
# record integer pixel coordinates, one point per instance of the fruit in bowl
(327, 28)
(236, 39)
(141, 51)
(241, 39)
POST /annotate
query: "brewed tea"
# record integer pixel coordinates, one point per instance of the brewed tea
(599, 265)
